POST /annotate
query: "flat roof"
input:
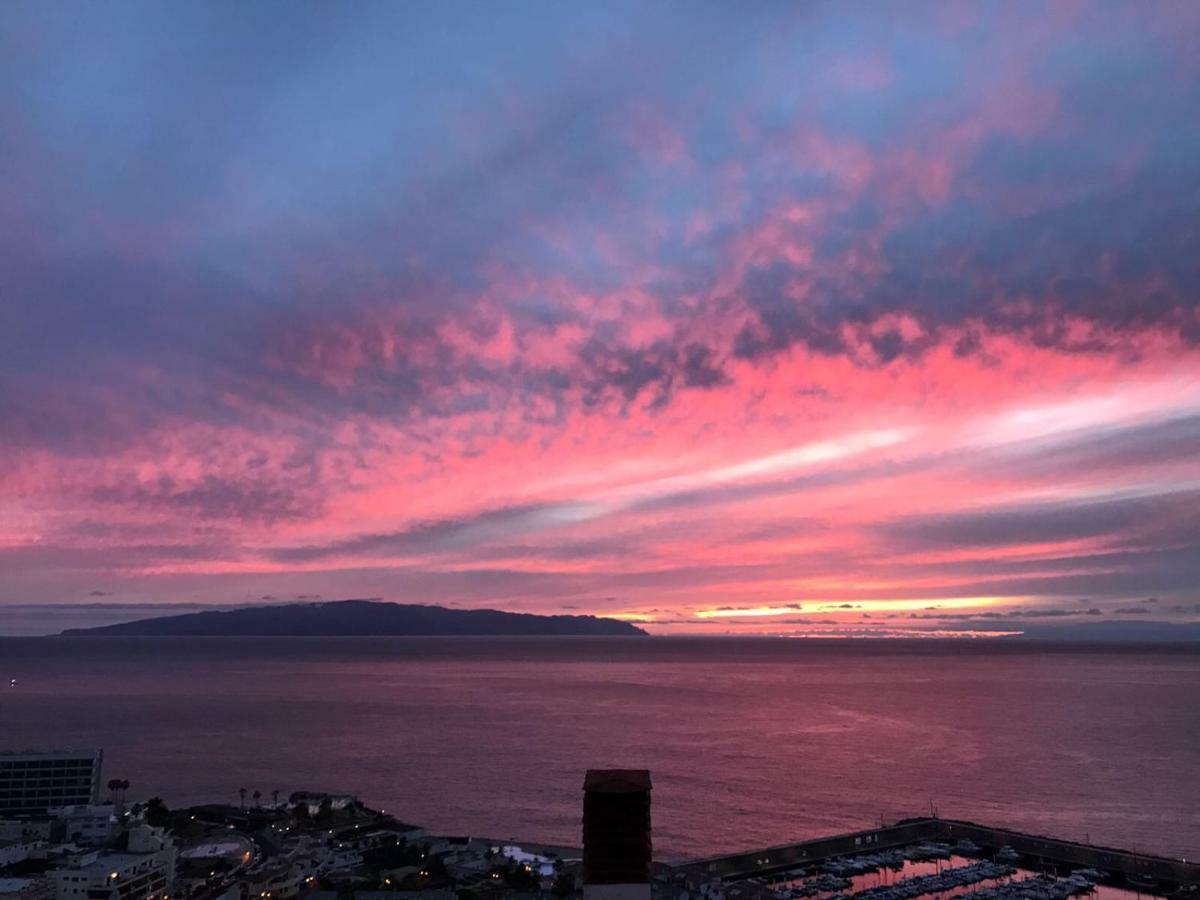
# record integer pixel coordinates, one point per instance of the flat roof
(617, 781)
(110, 860)
(53, 754)
(15, 884)
(211, 849)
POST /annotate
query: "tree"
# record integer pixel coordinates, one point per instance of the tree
(301, 814)
(157, 812)
(257, 799)
(564, 885)
(392, 853)
(114, 785)
(520, 877)
(275, 799)
(325, 812)
(242, 795)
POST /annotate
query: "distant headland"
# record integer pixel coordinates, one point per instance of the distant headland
(351, 618)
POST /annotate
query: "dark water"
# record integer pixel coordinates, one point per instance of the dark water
(750, 742)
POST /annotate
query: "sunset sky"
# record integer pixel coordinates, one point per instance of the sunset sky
(799, 318)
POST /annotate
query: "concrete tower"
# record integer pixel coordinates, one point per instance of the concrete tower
(616, 834)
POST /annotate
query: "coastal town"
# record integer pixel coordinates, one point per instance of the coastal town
(66, 835)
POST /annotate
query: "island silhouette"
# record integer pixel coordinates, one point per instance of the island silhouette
(360, 618)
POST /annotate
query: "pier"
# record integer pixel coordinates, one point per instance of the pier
(1037, 852)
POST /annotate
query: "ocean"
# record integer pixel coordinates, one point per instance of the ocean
(750, 742)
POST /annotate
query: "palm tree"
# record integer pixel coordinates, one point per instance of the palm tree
(118, 787)
(242, 794)
(275, 799)
(257, 798)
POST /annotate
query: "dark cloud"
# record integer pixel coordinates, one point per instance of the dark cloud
(1045, 522)
(1053, 613)
(1091, 259)
(1106, 246)
(663, 368)
(1032, 613)
(115, 557)
(218, 497)
(1132, 447)
(781, 320)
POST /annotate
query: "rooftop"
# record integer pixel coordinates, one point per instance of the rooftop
(617, 781)
(12, 885)
(214, 848)
(43, 752)
(113, 860)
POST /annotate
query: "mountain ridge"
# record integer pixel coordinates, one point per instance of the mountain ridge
(354, 618)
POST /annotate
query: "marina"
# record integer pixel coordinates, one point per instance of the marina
(940, 859)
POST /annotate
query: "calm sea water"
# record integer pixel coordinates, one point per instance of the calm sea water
(750, 742)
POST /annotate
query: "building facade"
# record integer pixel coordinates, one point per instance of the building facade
(616, 834)
(26, 889)
(116, 876)
(33, 782)
(18, 851)
(87, 826)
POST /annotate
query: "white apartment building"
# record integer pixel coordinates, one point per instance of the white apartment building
(38, 828)
(146, 872)
(17, 851)
(89, 825)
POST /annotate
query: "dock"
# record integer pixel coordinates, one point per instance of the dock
(1037, 852)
